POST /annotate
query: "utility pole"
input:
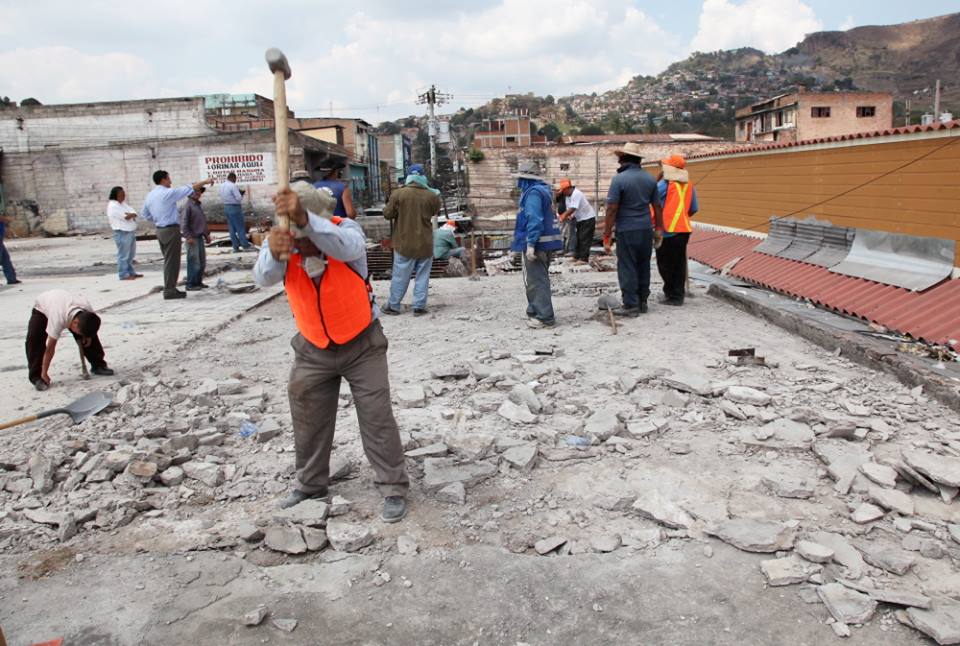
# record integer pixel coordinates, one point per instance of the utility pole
(908, 112)
(936, 103)
(432, 98)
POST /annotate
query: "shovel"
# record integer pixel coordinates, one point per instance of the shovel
(88, 405)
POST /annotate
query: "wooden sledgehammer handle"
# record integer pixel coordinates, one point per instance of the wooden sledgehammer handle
(280, 68)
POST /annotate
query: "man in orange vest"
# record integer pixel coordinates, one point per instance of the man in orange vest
(339, 336)
(679, 200)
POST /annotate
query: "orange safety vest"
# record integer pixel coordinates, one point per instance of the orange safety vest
(676, 208)
(338, 311)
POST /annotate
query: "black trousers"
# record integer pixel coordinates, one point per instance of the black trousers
(585, 230)
(37, 346)
(672, 264)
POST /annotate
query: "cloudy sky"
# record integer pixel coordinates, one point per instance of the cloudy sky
(370, 58)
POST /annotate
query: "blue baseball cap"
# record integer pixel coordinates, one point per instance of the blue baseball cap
(416, 169)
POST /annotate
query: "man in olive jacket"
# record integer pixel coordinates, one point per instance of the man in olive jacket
(411, 209)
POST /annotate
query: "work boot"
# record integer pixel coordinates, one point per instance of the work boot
(174, 295)
(630, 312)
(420, 311)
(103, 371)
(193, 288)
(394, 509)
(536, 324)
(296, 497)
(643, 307)
(41, 385)
(386, 309)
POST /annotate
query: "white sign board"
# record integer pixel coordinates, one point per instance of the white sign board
(251, 168)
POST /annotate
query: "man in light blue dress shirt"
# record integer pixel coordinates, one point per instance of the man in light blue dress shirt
(160, 207)
(233, 211)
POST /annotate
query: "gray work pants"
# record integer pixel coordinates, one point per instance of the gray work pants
(536, 279)
(314, 392)
(170, 244)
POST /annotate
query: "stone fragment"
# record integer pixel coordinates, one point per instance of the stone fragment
(788, 486)
(67, 528)
(627, 383)
(866, 513)
(455, 371)
(602, 424)
(249, 532)
(340, 467)
(339, 506)
(638, 429)
(407, 544)
(41, 469)
(117, 460)
(788, 570)
(311, 512)
(440, 472)
(524, 395)
(847, 606)
(411, 396)
(515, 413)
(840, 629)
(880, 473)
(470, 445)
(315, 539)
(939, 468)
(286, 625)
(255, 617)
(43, 516)
(678, 447)
(781, 433)
(268, 429)
(437, 449)
(605, 543)
(651, 504)
(747, 395)
(814, 552)
(142, 469)
(732, 410)
(900, 597)
(173, 444)
(892, 499)
(751, 535)
(288, 540)
(229, 387)
(348, 537)
(454, 493)
(523, 457)
(941, 622)
(547, 545)
(932, 549)
(689, 383)
(674, 399)
(206, 472)
(842, 459)
(843, 552)
(172, 476)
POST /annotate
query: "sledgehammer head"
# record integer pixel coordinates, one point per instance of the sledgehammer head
(608, 302)
(278, 62)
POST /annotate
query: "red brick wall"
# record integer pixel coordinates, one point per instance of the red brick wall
(843, 118)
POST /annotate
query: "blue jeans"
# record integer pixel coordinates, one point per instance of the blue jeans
(536, 279)
(126, 249)
(196, 262)
(238, 232)
(403, 268)
(8, 271)
(634, 249)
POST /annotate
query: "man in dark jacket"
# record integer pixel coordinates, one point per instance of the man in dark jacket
(411, 209)
(194, 229)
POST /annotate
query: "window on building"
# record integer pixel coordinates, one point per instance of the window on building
(564, 166)
(866, 111)
(820, 112)
(779, 118)
(511, 140)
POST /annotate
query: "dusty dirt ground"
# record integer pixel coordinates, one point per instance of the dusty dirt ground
(635, 515)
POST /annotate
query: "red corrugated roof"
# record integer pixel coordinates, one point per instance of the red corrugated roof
(640, 138)
(904, 130)
(932, 315)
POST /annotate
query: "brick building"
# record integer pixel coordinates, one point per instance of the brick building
(511, 131)
(814, 115)
(397, 152)
(58, 162)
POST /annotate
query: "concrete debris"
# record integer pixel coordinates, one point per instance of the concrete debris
(311, 512)
(689, 383)
(747, 395)
(440, 472)
(523, 395)
(788, 486)
(780, 434)
(732, 410)
(225, 387)
(42, 470)
(866, 513)
(751, 535)
(880, 473)
(515, 413)
(288, 540)
(411, 396)
(348, 537)
(454, 493)
(315, 539)
(788, 570)
(941, 622)
(814, 552)
(841, 629)
(897, 597)
(843, 552)
(939, 468)
(642, 428)
(454, 371)
(255, 617)
(847, 606)
(605, 543)
(470, 446)
(892, 499)
(339, 506)
(437, 449)
(674, 399)
(286, 625)
(547, 545)
(602, 424)
(249, 532)
(523, 457)
(651, 504)
(407, 544)
(206, 472)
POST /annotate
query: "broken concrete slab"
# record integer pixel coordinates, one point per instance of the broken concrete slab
(653, 505)
(454, 371)
(788, 486)
(247, 531)
(941, 622)
(605, 543)
(315, 539)
(454, 493)
(523, 457)
(206, 472)
(286, 625)
(547, 545)
(638, 429)
(747, 395)
(602, 424)
(311, 512)
(470, 446)
(732, 410)
(892, 499)
(440, 472)
(841, 458)
(899, 597)
(524, 395)
(689, 382)
(411, 396)
(814, 552)
(437, 449)
(880, 473)
(788, 570)
(781, 433)
(939, 468)
(255, 617)
(348, 537)
(847, 606)
(751, 535)
(843, 552)
(516, 413)
(288, 540)
(866, 513)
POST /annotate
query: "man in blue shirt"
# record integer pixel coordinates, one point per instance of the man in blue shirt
(633, 191)
(231, 196)
(8, 271)
(160, 207)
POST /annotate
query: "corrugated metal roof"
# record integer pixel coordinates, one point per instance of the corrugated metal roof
(640, 138)
(932, 315)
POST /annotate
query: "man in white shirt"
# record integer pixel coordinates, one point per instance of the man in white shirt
(54, 311)
(232, 198)
(579, 208)
(122, 220)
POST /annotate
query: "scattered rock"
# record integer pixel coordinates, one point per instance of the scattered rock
(249, 532)
(206, 472)
(523, 457)
(651, 504)
(814, 552)
(840, 629)
(440, 472)
(411, 396)
(789, 486)
(892, 499)
(732, 410)
(547, 545)
(311, 512)
(781, 433)
(348, 537)
(316, 539)
(339, 506)
(747, 395)
(602, 424)
(407, 544)
(470, 446)
(605, 543)
(285, 539)
(455, 371)
(788, 570)
(689, 383)
(142, 469)
(897, 597)
(880, 473)
(752, 535)
(255, 617)
(227, 387)
(847, 606)
(42, 469)
(939, 468)
(866, 513)
(843, 552)
(517, 414)
(172, 476)
(454, 493)
(523, 395)
(286, 625)
(942, 622)
(638, 429)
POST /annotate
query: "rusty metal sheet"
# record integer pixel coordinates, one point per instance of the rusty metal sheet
(910, 262)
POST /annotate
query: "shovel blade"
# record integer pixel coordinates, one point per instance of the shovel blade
(89, 404)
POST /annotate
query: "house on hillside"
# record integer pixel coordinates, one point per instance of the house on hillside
(812, 115)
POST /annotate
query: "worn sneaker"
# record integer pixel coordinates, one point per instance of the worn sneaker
(394, 509)
(630, 312)
(420, 311)
(193, 288)
(296, 497)
(386, 309)
(41, 385)
(174, 295)
(103, 371)
(14, 282)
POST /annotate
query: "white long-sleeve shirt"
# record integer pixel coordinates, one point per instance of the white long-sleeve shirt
(116, 214)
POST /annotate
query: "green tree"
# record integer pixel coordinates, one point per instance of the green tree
(591, 129)
(388, 128)
(551, 131)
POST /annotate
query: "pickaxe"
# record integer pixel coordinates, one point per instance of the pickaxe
(280, 68)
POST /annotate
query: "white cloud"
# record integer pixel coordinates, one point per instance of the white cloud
(848, 23)
(768, 25)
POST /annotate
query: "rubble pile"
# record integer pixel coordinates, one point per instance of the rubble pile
(845, 490)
